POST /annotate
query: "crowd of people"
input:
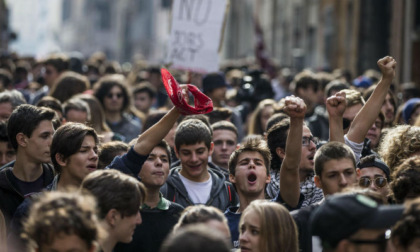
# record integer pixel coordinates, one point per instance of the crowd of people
(98, 157)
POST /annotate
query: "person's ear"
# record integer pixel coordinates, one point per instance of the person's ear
(318, 181)
(176, 152)
(280, 152)
(232, 179)
(60, 159)
(112, 217)
(211, 149)
(358, 172)
(21, 139)
(268, 179)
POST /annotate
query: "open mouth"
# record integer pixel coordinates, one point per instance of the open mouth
(252, 177)
(92, 167)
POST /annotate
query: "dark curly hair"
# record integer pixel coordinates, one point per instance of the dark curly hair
(406, 180)
(407, 229)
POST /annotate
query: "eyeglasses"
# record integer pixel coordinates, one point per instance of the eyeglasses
(346, 123)
(306, 141)
(111, 95)
(366, 182)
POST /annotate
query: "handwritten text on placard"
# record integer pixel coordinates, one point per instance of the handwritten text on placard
(195, 34)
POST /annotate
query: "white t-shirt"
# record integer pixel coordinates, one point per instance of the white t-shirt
(356, 147)
(199, 192)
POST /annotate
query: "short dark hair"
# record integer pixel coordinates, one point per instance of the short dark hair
(332, 151)
(305, 79)
(324, 78)
(219, 114)
(115, 190)
(69, 84)
(252, 144)
(224, 125)
(277, 137)
(25, 119)
(59, 61)
(201, 117)
(145, 87)
(163, 144)
(68, 139)
(335, 85)
(106, 83)
(152, 118)
(3, 132)
(110, 67)
(192, 131)
(50, 102)
(6, 78)
(154, 70)
(78, 105)
(54, 104)
(274, 119)
(109, 151)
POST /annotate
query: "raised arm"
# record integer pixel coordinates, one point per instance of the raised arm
(336, 105)
(370, 111)
(132, 162)
(152, 136)
(289, 171)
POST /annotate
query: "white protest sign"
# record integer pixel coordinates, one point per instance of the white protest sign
(195, 34)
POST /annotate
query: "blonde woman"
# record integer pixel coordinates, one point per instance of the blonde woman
(267, 226)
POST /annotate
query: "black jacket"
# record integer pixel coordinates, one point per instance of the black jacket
(222, 194)
(10, 196)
